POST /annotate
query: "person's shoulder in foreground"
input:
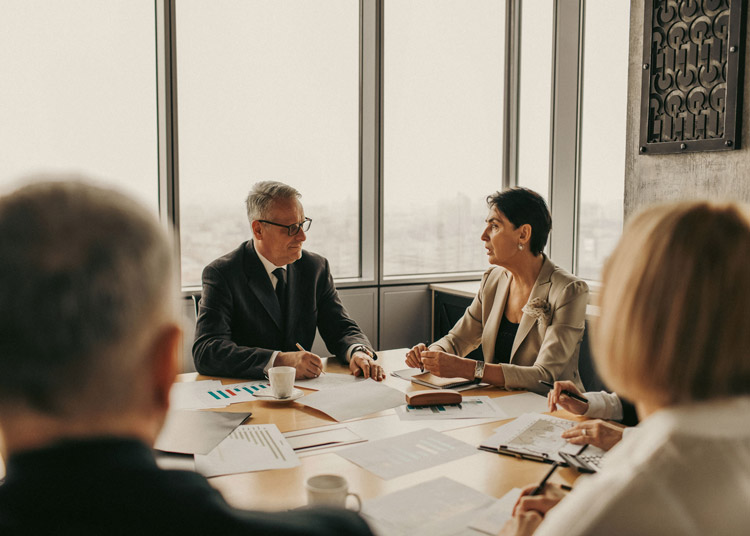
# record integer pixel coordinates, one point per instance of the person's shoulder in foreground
(89, 347)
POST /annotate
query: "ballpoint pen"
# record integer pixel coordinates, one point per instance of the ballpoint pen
(540, 487)
(571, 394)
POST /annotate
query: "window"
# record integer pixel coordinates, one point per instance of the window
(268, 91)
(443, 79)
(602, 149)
(78, 92)
(535, 95)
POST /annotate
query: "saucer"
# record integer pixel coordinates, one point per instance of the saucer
(296, 393)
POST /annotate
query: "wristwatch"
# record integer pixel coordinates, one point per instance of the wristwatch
(478, 371)
(364, 349)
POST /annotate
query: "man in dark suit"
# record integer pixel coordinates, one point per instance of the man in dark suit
(266, 297)
(89, 341)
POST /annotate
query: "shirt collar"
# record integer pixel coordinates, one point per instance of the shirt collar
(268, 265)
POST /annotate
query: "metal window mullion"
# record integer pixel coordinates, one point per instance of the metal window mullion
(166, 96)
(564, 139)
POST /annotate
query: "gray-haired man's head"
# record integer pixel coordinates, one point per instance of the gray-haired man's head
(264, 194)
(86, 275)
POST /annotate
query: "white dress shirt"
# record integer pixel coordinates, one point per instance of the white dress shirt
(683, 471)
(270, 267)
(603, 405)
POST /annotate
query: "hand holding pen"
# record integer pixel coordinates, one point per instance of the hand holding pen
(541, 497)
(566, 395)
(414, 356)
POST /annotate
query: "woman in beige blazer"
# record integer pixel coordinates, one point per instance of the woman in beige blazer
(529, 315)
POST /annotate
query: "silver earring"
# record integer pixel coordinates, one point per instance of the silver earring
(520, 246)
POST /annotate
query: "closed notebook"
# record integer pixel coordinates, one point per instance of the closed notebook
(430, 380)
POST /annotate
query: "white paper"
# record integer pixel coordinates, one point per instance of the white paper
(471, 407)
(193, 395)
(252, 447)
(512, 406)
(307, 441)
(328, 380)
(354, 400)
(536, 434)
(391, 425)
(440, 507)
(408, 453)
(494, 517)
(196, 432)
(209, 394)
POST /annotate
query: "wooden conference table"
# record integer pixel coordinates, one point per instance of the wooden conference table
(282, 489)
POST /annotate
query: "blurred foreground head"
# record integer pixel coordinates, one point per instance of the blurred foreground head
(86, 297)
(676, 305)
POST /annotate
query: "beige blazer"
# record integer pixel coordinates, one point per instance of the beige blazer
(540, 352)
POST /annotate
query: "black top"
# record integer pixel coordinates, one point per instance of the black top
(113, 486)
(505, 337)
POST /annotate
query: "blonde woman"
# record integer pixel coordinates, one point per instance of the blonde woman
(673, 337)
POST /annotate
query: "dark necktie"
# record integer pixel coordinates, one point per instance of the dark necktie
(280, 274)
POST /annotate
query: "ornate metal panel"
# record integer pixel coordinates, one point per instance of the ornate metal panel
(691, 98)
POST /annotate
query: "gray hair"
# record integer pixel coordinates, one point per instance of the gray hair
(83, 271)
(263, 195)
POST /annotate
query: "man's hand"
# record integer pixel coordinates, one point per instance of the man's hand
(595, 432)
(414, 356)
(447, 365)
(556, 398)
(308, 365)
(363, 365)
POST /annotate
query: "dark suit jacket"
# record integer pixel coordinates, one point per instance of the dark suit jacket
(113, 486)
(240, 325)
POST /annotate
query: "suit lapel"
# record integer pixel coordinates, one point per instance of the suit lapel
(540, 290)
(260, 285)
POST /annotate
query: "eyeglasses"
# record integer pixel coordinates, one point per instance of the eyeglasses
(294, 228)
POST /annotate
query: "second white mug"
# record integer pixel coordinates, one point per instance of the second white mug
(329, 490)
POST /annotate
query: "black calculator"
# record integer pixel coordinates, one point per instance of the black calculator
(584, 462)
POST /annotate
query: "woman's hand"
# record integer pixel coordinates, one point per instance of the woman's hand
(552, 494)
(521, 525)
(556, 398)
(447, 365)
(414, 356)
(530, 510)
(595, 432)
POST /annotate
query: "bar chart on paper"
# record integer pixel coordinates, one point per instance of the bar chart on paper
(251, 447)
(395, 456)
(238, 392)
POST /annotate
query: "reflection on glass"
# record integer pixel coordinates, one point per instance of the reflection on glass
(443, 131)
(268, 91)
(78, 92)
(602, 165)
(535, 95)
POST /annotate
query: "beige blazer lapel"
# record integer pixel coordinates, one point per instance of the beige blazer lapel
(540, 290)
(492, 321)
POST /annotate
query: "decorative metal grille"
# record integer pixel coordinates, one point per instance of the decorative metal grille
(692, 72)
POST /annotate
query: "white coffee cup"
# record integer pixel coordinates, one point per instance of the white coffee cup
(329, 490)
(282, 381)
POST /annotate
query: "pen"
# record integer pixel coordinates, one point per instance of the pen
(566, 392)
(299, 346)
(540, 487)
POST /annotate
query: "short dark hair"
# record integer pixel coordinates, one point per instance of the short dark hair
(522, 206)
(83, 269)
